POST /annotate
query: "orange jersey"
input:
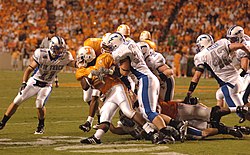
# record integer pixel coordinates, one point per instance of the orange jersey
(104, 60)
(169, 108)
(151, 44)
(95, 43)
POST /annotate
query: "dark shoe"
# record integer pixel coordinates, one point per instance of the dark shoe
(235, 132)
(1, 125)
(243, 129)
(242, 120)
(57, 84)
(85, 127)
(39, 130)
(91, 140)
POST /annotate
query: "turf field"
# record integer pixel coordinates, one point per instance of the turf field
(65, 111)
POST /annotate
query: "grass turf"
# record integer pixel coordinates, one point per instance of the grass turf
(66, 110)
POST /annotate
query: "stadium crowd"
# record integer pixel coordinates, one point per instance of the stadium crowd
(174, 24)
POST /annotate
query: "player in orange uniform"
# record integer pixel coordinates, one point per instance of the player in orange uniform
(95, 43)
(100, 77)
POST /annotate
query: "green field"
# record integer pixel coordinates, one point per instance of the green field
(66, 111)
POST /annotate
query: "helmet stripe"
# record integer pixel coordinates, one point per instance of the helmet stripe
(59, 40)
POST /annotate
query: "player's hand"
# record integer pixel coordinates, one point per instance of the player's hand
(187, 99)
(23, 85)
(242, 72)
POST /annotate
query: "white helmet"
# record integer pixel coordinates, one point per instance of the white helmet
(104, 43)
(235, 34)
(85, 55)
(124, 30)
(145, 35)
(115, 40)
(57, 46)
(204, 41)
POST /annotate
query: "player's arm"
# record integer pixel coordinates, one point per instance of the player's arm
(85, 83)
(125, 66)
(196, 77)
(33, 65)
(72, 64)
(236, 46)
(166, 70)
(244, 63)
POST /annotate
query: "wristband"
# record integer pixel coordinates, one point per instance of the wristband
(192, 86)
(242, 72)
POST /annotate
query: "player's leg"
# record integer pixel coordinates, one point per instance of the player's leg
(232, 98)
(107, 111)
(148, 100)
(56, 82)
(41, 100)
(25, 94)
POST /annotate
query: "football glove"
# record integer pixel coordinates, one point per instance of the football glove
(23, 85)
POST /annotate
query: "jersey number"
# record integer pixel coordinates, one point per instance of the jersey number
(222, 61)
(48, 75)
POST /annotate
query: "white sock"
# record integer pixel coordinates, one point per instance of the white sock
(99, 133)
(147, 128)
(90, 120)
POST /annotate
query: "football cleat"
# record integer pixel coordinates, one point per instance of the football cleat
(1, 125)
(235, 132)
(39, 130)
(243, 129)
(85, 127)
(242, 120)
(91, 140)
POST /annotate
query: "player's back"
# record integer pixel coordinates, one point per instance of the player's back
(95, 43)
(218, 60)
(131, 50)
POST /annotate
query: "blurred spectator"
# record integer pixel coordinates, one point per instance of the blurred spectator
(183, 62)
(77, 20)
(25, 55)
(15, 56)
(177, 59)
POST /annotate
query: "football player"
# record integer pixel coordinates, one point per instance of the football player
(101, 77)
(90, 95)
(236, 35)
(216, 58)
(130, 59)
(157, 64)
(124, 30)
(48, 62)
(201, 120)
(45, 44)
